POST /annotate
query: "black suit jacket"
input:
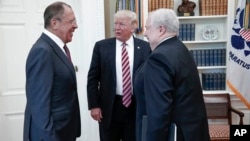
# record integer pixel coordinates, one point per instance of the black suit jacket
(168, 90)
(52, 109)
(101, 87)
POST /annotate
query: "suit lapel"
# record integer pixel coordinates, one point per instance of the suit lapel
(112, 56)
(60, 54)
(137, 52)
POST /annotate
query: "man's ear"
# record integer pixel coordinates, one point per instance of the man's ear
(162, 29)
(54, 23)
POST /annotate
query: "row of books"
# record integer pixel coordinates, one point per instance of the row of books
(246, 15)
(209, 57)
(187, 32)
(213, 81)
(213, 7)
(125, 4)
(156, 4)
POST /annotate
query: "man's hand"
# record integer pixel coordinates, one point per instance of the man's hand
(96, 114)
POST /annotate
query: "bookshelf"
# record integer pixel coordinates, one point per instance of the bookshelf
(209, 52)
(205, 17)
(222, 22)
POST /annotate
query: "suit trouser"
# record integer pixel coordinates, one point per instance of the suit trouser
(122, 123)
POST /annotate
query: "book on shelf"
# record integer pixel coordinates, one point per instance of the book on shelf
(198, 55)
(203, 61)
(217, 8)
(213, 7)
(202, 7)
(223, 57)
(209, 57)
(156, 4)
(192, 32)
(219, 57)
(187, 32)
(246, 15)
(213, 81)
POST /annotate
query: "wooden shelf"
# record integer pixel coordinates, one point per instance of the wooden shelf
(203, 17)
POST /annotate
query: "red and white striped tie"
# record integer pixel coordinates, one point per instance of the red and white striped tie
(126, 78)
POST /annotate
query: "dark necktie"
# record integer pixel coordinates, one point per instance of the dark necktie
(126, 78)
(66, 49)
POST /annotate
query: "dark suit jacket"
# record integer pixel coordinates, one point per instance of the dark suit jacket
(101, 87)
(52, 110)
(168, 89)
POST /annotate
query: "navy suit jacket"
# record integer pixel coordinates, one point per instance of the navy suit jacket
(168, 90)
(101, 87)
(52, 110)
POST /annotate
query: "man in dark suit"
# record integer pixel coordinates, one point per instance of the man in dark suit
(105, 87)
(167, 86)
(52, 109)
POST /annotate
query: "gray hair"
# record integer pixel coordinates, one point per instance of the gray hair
(54, 10)
(130, 15)
(166, 18)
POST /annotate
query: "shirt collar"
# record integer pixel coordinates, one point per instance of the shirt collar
(129, 42)
(56, 39)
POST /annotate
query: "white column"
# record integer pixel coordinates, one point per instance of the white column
(91, 27)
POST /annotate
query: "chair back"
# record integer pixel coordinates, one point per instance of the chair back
(218, 106)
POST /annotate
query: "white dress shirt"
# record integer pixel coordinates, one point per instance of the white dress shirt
(130, 49)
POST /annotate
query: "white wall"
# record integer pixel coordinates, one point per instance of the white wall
(90, 15)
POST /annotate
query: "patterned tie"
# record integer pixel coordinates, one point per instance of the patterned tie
(66, 49)
(126, 78)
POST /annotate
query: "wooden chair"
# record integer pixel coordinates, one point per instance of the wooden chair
(219, 108)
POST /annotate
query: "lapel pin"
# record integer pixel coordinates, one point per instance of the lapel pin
(138, 47)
